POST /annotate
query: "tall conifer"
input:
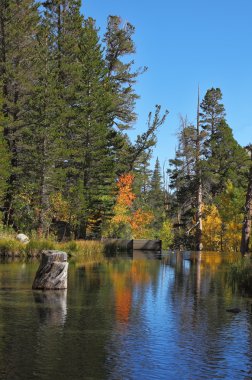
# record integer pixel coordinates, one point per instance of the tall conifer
(18, 23)
(119, 44)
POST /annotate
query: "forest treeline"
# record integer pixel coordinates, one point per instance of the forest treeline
(67, 165)
(67, 101)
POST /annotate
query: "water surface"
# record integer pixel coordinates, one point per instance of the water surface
(138, 317)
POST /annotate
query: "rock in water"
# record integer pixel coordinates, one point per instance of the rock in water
(52, 272)
(23, 238)
(234, 310)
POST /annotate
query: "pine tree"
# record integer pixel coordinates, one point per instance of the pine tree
(156, 197)
(148, 139)
(183, 174)
(48, 113)
(228, 161)
(213, 112)
(4, 160)
(222, 154)
(65, 104)
(18, 23)
(142, 174)
(92, 145)
(42, 135)
(51, 107)
(206, 160)
(119, 43)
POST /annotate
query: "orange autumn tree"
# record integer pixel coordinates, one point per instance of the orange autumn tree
(127, 222)
(139, 222)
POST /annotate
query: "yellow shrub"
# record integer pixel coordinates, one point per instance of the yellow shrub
(212, 229)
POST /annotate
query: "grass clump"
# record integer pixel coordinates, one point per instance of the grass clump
(35, 247)
(240, 275)
(9, 246)
(83, 250)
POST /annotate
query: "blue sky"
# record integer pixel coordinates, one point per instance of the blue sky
(185, 43)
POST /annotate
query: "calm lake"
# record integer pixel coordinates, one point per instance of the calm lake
(138, 317)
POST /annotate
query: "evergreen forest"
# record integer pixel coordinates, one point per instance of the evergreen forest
(67, 165)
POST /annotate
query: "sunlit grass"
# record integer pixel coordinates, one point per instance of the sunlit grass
(9, 246)
(85, 251)
(35, 247)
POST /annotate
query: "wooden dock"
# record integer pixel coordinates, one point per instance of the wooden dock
(147, 245)
(118, 244)
(133, 245)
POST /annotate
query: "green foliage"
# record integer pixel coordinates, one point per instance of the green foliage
(230, 203)
(66, 101)
(228, 161)
(210, 156)
(119, 230)
(156, 197)
(18, 28)
(119, 44)
(166, 234)
(213, 112)
(4, 162)
(91, 169)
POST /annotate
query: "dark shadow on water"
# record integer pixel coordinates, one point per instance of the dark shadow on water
(137, 255)
(147, 255)
(51, 306)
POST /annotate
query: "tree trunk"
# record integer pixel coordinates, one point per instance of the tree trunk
(43, 224)
(52, 272)
(199, 196)
(246, 227)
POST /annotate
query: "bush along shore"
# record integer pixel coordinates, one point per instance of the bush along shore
(78, 250)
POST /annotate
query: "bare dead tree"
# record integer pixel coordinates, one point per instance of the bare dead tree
(199, 182)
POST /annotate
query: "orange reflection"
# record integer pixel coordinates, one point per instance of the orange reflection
(136, 272)
(139, 272)
(123, 301)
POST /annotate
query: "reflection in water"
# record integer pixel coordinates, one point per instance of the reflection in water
(127, 318)
(200, 298)
(146, 255)
(51, 306)
(125, 277)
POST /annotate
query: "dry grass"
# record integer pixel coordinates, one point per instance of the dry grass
(9, 246)
(83, 250)
(79, 250)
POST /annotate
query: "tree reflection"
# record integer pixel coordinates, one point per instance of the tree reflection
(126, 318)
(125, 276)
